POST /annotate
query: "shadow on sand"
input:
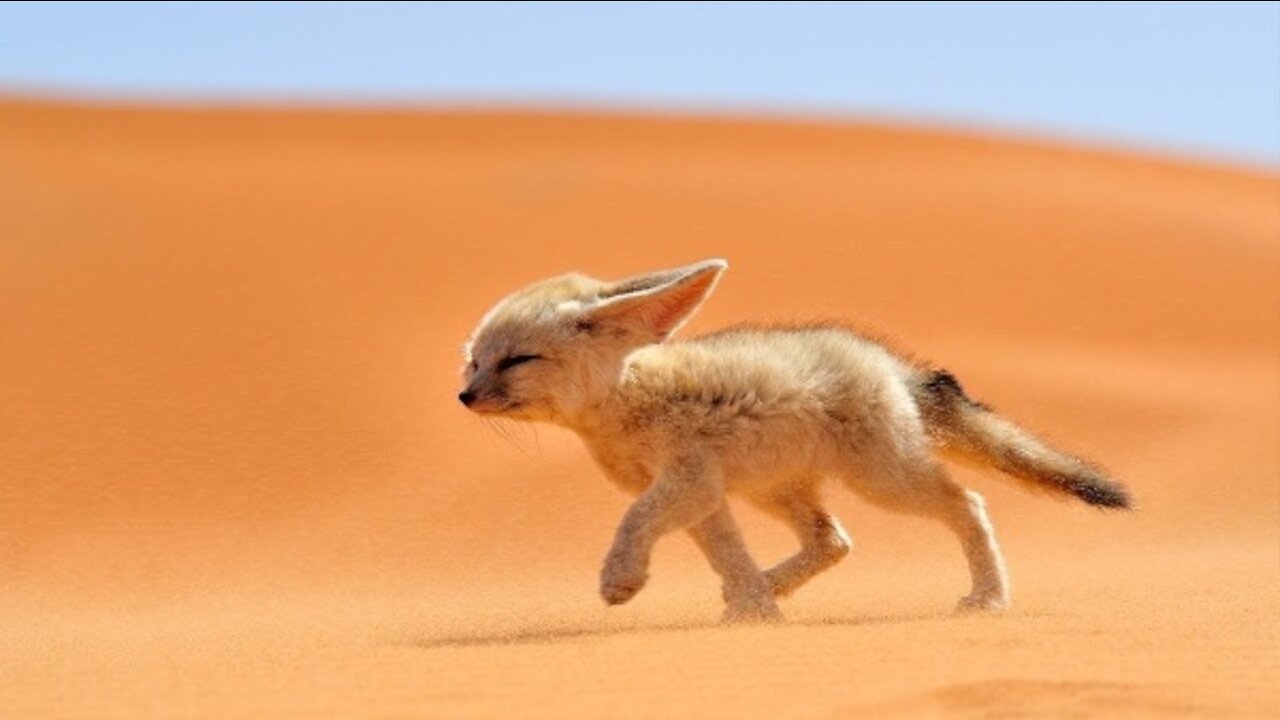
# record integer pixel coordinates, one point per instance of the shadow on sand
(545, 635)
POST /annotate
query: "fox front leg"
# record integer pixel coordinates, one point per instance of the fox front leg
(747, 594)
(685, 492)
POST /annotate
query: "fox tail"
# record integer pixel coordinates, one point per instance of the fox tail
(961, 426)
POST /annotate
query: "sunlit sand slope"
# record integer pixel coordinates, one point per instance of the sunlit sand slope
(234, 479)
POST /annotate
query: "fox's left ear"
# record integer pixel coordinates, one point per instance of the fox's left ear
(657, 304)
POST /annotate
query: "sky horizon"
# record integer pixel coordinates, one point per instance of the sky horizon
(1193, 79)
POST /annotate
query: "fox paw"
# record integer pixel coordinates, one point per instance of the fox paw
(619, 583)
(758, 613)
(750, 602)
(982, 602)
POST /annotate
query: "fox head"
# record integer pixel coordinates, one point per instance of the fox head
(549, 351)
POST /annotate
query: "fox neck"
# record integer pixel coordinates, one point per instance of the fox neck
(595, 401)
(588, 417)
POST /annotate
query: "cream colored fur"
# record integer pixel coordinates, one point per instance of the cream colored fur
(764, 413)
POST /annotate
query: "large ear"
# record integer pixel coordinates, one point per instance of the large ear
(657, 304)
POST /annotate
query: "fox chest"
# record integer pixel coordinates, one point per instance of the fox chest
(628, 466)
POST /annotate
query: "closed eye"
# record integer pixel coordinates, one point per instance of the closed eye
(509, 362)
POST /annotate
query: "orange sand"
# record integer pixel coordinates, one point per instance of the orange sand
(234, 480)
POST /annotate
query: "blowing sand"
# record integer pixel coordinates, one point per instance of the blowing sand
(234, 480)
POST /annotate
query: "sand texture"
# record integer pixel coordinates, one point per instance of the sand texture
(235, 481)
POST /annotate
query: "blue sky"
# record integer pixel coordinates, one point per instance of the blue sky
(1194, 78)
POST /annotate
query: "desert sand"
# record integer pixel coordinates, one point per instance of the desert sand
(235, 481)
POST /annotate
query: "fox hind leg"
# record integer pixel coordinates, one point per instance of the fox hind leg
(823, 542)
(924, 489)
(967, 516)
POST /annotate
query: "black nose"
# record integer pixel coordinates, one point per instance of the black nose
(466, 397)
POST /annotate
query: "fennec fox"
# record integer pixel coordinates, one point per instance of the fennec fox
(763, 412)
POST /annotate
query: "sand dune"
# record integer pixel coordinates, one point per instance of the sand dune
(234, 481)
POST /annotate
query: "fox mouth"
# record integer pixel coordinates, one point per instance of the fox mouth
(501, 407)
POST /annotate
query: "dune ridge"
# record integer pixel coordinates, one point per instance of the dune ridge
(234, 481)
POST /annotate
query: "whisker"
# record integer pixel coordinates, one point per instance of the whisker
(525, 431)
(498, 430)
(490, 432)
(503, 429)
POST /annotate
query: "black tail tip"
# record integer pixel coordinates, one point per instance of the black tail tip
(1105, 494)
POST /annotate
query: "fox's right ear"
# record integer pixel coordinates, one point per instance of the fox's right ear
(655, 305)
